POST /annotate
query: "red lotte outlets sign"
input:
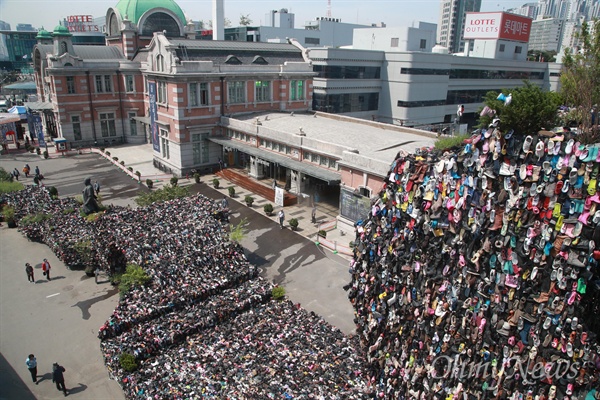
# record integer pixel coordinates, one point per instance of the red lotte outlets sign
(81, 23)
(497, 25)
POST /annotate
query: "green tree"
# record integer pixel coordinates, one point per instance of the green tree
(580, 76)
(530, 110)
(238, 232)
(245, 20)
(134, 276)
(168, 192)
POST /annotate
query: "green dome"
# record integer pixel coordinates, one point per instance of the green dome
(61, 31)
(43, 34)
(134, 9)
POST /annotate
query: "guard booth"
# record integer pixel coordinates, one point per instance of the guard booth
(61, 145)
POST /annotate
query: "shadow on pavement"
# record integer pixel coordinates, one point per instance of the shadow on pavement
(76, 389)
(11, 385)
(46, 377)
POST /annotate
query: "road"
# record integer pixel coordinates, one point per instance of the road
(58, 320)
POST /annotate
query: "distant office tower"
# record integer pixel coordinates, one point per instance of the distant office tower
(451, 23)
(4, 26)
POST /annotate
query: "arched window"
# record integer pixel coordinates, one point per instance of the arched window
(160, 63)
(114, 25)
(159, 22)
(63, 48)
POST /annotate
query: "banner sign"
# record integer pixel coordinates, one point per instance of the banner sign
(4, 128)
(38, 128)
(153, 116)
(279, 196)
(497, 25)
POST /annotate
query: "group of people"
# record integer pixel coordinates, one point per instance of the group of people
(27, 171)
(45, 270)
(476, 274)
(206, 324)
(58, 377)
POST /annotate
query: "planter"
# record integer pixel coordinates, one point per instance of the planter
(11, 224)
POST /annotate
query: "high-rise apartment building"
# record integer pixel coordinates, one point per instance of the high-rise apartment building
(451, 23)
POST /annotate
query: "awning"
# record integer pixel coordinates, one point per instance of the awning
(328, 176)
(145, 120)
(8, 118)
(38, 105)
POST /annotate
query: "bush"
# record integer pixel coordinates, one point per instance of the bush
(294, 223)
(34, 218)
(149, 183)
(122, 163)
(197, 177)
(107, 153)
(134, 276)
(68, 211)
(249, 200)
(115, 158)
(166, 193)
(216, 183)
(5, 176)
(130, 169)
(128, 362)
(445, 143)
(8, 213)
(138, 174)
(53, 191)
(46, 155)
(278, 293)
(102, 149)
(9, 187)
(174, 181)
(231, 191)
(323, 233)
(268, 208)
(38, 151)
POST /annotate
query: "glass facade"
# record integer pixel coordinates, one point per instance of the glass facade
(347, 72)
(474, 73)
(344, 103)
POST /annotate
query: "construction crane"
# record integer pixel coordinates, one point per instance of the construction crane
(328, 8)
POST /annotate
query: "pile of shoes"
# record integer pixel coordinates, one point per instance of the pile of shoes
(206, 324)
(476, 272)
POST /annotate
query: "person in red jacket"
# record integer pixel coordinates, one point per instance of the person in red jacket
(46, 268)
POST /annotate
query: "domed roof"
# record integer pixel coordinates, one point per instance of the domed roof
(134, 9)
(61, 31)
(43, 34)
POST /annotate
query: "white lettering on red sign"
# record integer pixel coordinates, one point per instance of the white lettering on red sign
(516, 27)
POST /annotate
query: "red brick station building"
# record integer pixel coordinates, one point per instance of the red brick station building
(198, 101)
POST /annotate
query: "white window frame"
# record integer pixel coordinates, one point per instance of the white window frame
(70, 81)
(161, 92)
(76, 122)
(103, 83)
(236, 92)
(295, 94)
(107, 124)
(132, 123)
(262, 91)
(129, 83)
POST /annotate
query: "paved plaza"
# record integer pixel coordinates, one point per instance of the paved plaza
(58, 320)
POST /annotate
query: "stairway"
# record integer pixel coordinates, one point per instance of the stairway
(248, 183)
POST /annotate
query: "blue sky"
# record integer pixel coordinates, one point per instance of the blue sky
(48, 13)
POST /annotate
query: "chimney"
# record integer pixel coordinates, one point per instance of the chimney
(218, 20)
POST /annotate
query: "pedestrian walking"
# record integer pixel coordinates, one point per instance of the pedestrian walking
(59, 378)
(220, 164)
(26, 170)
(224, 203)
(16, 173)
(96, 187)
(46, 268)
(37, 171)
(274, 184)
(29, 270)
(313, 215)
(31, 363)
(281, 216)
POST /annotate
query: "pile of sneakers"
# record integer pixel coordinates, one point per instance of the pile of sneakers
(476, 267)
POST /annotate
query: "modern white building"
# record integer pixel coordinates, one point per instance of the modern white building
(395, 75)
(546, 34)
